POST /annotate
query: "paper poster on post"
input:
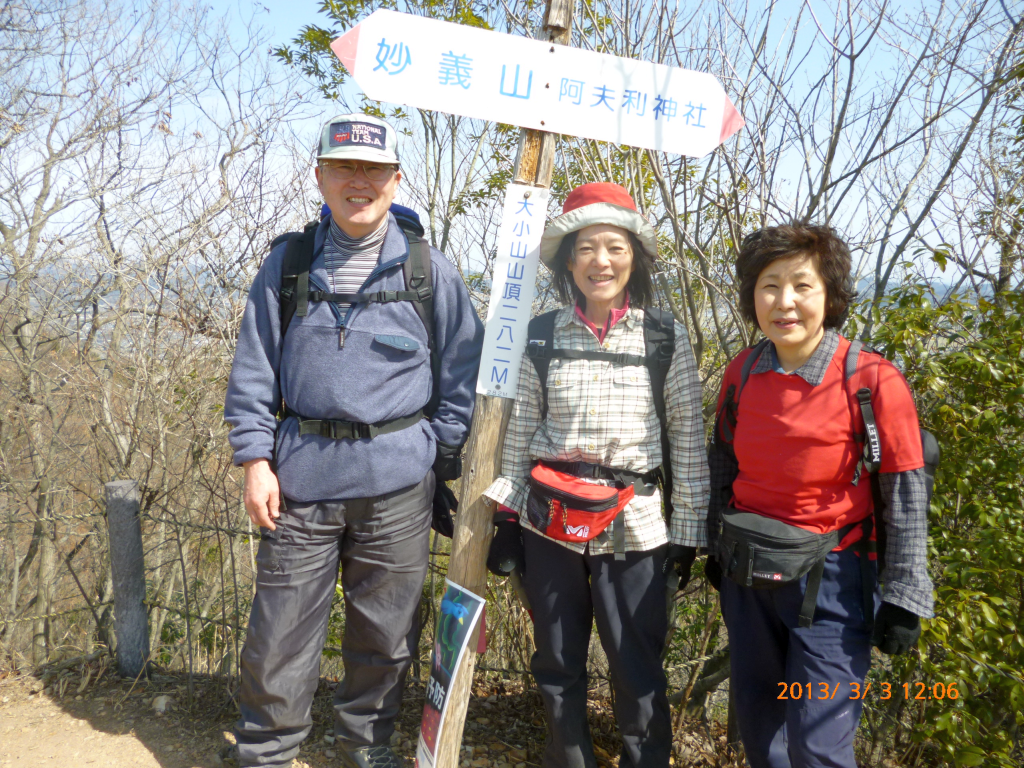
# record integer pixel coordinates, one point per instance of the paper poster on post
(432, 64)
(460, 611)
(512, 289)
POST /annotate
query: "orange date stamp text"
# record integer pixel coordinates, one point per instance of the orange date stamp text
(853, 690)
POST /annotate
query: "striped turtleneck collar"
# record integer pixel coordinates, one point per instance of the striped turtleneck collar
(350, 261)
(349, 245)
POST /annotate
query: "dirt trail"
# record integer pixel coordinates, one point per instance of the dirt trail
(113, 723)
(36, 730)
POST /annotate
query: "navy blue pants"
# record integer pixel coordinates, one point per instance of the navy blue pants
(769, 649)
(569, 592)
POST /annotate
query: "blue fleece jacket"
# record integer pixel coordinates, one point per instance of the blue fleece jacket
(381, 372)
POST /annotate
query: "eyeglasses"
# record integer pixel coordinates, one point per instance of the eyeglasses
(345, 170)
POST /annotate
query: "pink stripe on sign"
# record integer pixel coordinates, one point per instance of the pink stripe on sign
(481, 643)
(732, 121)
(345, 48)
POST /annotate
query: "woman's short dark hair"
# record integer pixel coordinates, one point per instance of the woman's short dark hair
(821, 243)
(641, 281)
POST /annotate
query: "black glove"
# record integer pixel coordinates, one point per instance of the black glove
(444, 504)
(713, 573)
(448, 461)
(506, 552)
(896, 630)
(680, 560)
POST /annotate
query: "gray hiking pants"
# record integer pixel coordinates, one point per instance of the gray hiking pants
(382, 544)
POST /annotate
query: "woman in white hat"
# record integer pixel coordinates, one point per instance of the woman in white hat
(610, 396)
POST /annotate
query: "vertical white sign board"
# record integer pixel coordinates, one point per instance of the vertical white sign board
(515, 274)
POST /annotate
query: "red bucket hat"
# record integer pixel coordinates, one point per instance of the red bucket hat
(598, 203)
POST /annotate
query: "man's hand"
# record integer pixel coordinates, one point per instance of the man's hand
(262, 494)
(444, 504)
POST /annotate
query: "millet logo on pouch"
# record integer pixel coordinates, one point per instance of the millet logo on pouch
(358, 134)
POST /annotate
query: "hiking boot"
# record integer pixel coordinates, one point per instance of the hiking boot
(380, 756)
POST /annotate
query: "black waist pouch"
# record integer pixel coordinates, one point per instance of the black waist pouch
(763, 553)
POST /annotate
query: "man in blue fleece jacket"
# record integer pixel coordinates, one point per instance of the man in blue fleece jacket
(363, 502)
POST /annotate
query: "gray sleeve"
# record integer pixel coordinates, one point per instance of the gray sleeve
(685, 428)
(905, 580)
(459, 336)
(253, 391)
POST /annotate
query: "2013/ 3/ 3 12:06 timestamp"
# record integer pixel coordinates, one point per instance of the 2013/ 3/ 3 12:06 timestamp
(861, 690)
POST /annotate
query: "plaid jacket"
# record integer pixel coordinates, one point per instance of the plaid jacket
(603, 413)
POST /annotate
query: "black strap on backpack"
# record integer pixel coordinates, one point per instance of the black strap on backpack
(659, 346)
(340, 429)
(416, 270)
(725, 421)
(540, 335)
(871, 461)
(295, 272)
(295, 293)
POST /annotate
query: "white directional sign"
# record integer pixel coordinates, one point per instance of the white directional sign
(447, 67)
(515, 271)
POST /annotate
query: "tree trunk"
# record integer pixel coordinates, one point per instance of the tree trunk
(45, 575)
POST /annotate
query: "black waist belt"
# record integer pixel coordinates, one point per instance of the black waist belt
(644, 483)
(338, 429)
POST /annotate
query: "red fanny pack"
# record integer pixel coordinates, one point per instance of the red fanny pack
(567, 508)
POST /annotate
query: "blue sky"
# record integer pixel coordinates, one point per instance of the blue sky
(282, 19)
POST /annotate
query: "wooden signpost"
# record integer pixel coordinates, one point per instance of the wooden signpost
(544, 86)
(473, 526)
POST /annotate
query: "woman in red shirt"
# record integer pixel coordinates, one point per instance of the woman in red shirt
(791, 509)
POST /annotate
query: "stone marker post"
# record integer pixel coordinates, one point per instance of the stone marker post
(126, 567)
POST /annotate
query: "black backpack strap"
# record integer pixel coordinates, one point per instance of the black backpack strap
(620, 358)
(725, 421)
(339, 429)
(418, 280)
(932, 455)
(852, 358)
(813, 584)
(659, 346)
(748, 364)
(811, 587)
(540, 335)
(866, 547)
(298, 257)
(416, 270)
(870, 462)
(871, 458)
(374, 297)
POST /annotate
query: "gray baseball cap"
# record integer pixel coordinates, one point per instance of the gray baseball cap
(359, 137)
